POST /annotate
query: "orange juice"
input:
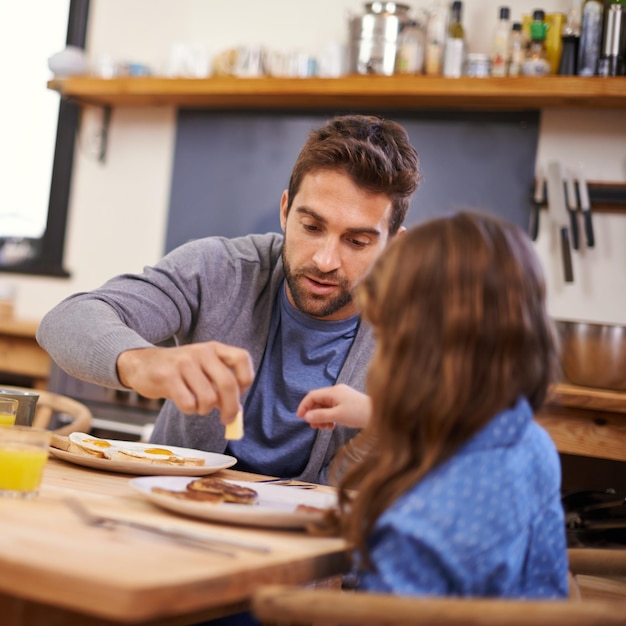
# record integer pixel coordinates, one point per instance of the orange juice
(8, 410)
(21, 467)
(7, 419)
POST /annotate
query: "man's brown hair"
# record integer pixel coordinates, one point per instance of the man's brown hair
(375, 153)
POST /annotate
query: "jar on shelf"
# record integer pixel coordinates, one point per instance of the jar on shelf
(478, 65)
(411, 46)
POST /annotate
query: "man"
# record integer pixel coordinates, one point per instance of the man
(258, 321)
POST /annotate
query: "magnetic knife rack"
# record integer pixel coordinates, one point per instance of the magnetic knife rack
(605, 197)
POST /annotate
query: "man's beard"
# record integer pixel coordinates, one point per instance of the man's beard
(312, 304)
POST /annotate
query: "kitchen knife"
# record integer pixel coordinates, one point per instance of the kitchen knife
(556, 204)
(572, 207)
(535, 207)
(585, 205)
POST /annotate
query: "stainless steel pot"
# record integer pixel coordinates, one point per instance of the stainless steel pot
(374, 37)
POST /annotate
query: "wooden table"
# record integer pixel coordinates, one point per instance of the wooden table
(20, 354)
(54, 569)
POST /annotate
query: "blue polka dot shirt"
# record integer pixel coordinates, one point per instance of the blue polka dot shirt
(486, 523)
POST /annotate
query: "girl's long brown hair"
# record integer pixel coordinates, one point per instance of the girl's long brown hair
(458, 309)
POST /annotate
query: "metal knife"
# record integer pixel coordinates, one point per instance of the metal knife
(585, 205)
(572, 207)
(535, 207)
(556, 204)
(186, 537)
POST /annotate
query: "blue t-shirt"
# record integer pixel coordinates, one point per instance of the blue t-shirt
(486, 523)
(302, 354)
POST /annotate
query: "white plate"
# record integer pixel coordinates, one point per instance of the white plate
(213, 462)
(275, 508)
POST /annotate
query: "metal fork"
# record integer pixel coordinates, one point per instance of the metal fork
(188, 538)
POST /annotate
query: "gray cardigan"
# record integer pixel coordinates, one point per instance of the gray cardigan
(211, 289)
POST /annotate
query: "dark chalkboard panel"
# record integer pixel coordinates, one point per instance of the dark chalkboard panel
(230, 169)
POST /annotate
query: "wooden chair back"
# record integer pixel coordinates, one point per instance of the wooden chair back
(285, 605)
(291, 605)
(50, 404)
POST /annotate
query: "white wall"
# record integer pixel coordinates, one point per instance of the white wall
(118, 209)
(596, 140)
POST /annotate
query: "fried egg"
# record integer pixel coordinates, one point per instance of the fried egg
(95, 444)
(127, 451)
(152, 454)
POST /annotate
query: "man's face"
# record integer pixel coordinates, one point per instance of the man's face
(333, 234)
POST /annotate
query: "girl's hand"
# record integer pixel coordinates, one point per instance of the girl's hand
(339, 404)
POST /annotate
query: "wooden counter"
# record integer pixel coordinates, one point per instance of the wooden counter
(585, 421)
(20, 354)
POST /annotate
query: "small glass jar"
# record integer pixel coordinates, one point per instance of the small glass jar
(410, 52)
(478, 65)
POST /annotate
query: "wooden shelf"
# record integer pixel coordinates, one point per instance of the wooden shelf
(377, 92)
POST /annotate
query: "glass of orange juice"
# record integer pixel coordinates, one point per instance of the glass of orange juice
(23, 455)
(8, 411)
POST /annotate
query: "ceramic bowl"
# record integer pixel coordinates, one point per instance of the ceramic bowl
(70, 61)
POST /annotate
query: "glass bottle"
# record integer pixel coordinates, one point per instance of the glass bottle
(435, 39)
(536, 60)
(613, 57)
(454, 54)
(570, 37)
(554, 41)
(590, 37)
(500, 48)
(517, 52)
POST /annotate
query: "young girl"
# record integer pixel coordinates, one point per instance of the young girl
(460, 495)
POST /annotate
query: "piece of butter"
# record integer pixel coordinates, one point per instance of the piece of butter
(234, 430)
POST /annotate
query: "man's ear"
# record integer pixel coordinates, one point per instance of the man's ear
(284, 201)
(401, 231)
